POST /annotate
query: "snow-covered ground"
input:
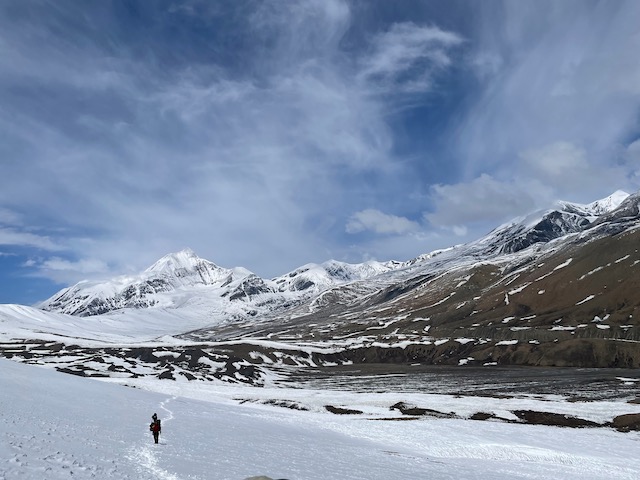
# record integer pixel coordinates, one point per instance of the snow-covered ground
(57, 426)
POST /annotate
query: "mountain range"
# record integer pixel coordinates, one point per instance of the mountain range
(556, 288)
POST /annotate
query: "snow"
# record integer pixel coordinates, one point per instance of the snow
(519, 289)
(207, 433)
(589, 297)
(595, 270)
(56, 426)
(563, 264)
(609, 203)
(622, 259)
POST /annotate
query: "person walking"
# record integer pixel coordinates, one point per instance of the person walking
(155, 427)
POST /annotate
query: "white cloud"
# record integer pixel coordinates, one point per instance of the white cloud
(484, 200)
(555, 162)
(569, 172)
(379, 222)
(405, 58)
(12, 237)
(9, 217)
(633, 152)
(83, 266)
(555, 74)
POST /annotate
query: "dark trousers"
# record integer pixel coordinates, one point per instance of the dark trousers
(156, 436)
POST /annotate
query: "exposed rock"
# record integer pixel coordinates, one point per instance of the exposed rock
(419, 412)
(262, 477)
(286, 404)
(627, 422)
(342, 411)
(482, 416)
(553, 419)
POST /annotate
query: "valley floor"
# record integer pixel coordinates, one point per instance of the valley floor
(58, 426)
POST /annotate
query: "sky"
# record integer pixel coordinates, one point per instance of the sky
(269, 134)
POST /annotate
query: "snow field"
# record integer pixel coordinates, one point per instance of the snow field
(57, 426)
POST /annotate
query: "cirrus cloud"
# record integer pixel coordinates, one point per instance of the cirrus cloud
(378, 222)
(405, 58)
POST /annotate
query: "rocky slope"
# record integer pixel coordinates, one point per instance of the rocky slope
(568, 298)
(556, 288)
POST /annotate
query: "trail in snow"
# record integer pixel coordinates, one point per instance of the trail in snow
(146, 455)
(163, 406)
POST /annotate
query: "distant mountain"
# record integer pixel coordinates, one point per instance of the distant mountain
(176, 277)
(555, 288)
(547, 225)
(152, 287)
(558, 287)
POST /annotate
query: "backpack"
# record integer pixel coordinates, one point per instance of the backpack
(155, 426)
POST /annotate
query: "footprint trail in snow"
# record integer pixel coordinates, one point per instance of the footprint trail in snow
(147, 455)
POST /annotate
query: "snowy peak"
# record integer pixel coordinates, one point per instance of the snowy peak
(314, 277)
(546, 225)
(609, 203)
(186, 268)
(183, 279)
(597, 208)
(184, 260)
(155, 286)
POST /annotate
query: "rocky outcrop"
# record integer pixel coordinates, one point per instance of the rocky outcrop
(553, 419)
(342, 411)
(628, 422)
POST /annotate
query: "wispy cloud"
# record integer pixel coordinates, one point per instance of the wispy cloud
(405, 58)
(480, 202)
(160, 154)
(557, 104)
(13, 237)
(268, 134)
(560, 74)
(86, 266)
(379, 222)
(9, 217)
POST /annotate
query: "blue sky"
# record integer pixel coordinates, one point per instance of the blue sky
(270, 134)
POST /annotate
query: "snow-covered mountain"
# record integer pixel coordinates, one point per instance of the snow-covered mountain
(546, 225)
(153, 287)
(538, 283)
(557, 288)
(183, 277)
(331, 273)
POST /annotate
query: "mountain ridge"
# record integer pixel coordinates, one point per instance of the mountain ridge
(184, 269)
(558, 288)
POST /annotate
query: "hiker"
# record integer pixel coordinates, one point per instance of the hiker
(155, 427)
